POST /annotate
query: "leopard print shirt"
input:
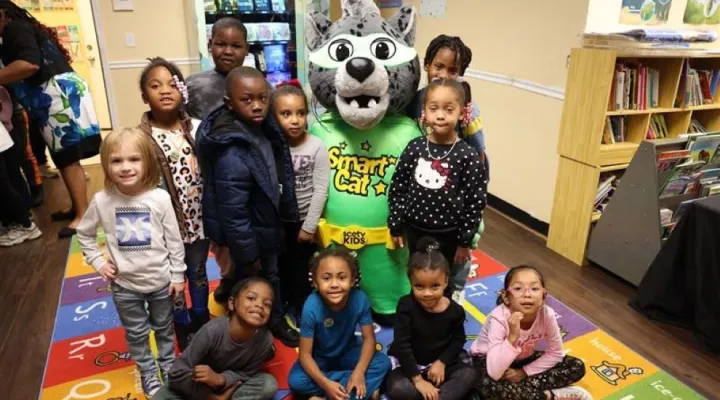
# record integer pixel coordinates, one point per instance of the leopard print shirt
(186, 178)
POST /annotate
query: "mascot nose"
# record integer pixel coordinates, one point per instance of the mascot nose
(360, 68)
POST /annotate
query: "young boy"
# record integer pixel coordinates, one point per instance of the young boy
(249, 189)
(228, 47)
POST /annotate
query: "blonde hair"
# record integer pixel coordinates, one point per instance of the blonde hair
(139, 139)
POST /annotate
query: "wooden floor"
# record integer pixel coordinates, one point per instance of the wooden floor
(31, 275)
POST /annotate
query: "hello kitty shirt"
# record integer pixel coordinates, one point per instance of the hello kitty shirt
(438, 187)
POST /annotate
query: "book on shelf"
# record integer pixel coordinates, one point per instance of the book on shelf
(615, 130)
(680, 178)
(703, 147)
(635, 87)
(658, 127)
(696, 127)
(697, 86)
(667, 160)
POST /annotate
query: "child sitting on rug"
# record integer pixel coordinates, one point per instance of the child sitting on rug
(427, 351)
(331, 362)
(145, 262)
(224, 358)
(504, 352)
(172, 133)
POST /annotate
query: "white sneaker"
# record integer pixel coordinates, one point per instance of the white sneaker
(47, 172)
(571, 393)
(19, 234)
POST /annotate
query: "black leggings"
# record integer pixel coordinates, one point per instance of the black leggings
(565, 373)
(293, 267)
(459, 379)
(14, 198)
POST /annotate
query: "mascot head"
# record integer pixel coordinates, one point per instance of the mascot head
(362, 65)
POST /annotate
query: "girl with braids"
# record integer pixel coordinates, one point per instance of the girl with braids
(37, 70)
(173, 138)
(447, 57)
(427, 354)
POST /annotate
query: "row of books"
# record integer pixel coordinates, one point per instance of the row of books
(45, 5)
(696, 127)
(658, 127)
(246, 6)
(693, 170)
(605, 190)
(615, 130)
(697, 86)
(636, 87)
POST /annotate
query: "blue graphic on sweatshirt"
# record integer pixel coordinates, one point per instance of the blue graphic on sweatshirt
(133, 228)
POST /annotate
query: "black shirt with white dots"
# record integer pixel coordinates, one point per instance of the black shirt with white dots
(438, 187)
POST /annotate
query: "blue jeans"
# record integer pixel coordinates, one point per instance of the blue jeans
(339, 370)
(137, 321)
(196, 255)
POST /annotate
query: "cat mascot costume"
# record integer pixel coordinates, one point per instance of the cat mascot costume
(365, 71)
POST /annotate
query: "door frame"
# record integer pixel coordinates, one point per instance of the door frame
(109, 93)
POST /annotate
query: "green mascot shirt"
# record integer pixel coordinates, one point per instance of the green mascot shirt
(362, 163)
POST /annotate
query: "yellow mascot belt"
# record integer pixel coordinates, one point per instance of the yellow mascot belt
(353, 237)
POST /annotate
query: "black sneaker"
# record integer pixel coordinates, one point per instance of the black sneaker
(286, 334)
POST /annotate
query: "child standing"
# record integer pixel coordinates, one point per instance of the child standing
(331, 362)
(439, 186)
(249, 188)
(173, 139)
(504, 353)
(225, 356)
(447, 57)
(146, 253)
(311, 165)
(429, 332)
(228, 48)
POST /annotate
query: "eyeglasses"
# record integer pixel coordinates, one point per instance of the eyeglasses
(519, 291)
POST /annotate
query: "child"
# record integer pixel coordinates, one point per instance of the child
(146, 253)
(248, 187)
(312, 171)
(447, 57)
(504, 353)
(228, 47)
(225, 356)
(173, 139)
(439, 184)
(331, 362)
(429, 334)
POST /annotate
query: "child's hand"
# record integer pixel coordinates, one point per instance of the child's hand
(514, 324)
(462, 255)
(356, 382)
(108, 271)
(305, 237)
(226, 394)
(436, 373)
(205, 374)
(176, 289)
(398, 242)
(515, 375)
(335, 391)
(426, 389)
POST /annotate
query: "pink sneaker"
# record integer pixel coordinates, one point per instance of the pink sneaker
(571, 393)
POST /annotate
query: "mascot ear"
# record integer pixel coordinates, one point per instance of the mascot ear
(405, 22)
(317, 26)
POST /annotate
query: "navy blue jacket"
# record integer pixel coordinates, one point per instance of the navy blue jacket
(240, 209)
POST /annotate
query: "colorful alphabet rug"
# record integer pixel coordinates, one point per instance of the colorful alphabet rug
(89, 359)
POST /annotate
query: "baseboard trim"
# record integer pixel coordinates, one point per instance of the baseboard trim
(518, 215)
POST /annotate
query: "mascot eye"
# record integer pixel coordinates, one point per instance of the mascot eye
(340, 50)
(383, 49)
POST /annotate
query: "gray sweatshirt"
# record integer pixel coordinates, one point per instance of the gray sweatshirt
(205, 91)
(213, 346)
(311, 166)
(143, 239)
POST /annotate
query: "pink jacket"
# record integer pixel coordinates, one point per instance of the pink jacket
(500, 354)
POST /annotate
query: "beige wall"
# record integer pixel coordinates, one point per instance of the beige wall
(527, 40)
(163, 28)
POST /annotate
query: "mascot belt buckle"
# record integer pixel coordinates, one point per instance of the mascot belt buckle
(354, 237)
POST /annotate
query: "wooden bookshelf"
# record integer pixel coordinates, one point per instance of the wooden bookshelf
(583, 157)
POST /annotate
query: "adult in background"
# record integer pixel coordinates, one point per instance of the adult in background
(38, 72)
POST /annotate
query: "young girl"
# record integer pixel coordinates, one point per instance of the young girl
(172, 134)
(429, 334)
(146, 253)
(504, 353)
(331, 363)
(447, 57)
(311, 166)
(438, 189)
(224, 358)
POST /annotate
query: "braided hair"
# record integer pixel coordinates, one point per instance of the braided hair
(428, 256)
(14, 12)
(463, 54)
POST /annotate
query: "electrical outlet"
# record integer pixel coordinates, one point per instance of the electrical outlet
(129, 39)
